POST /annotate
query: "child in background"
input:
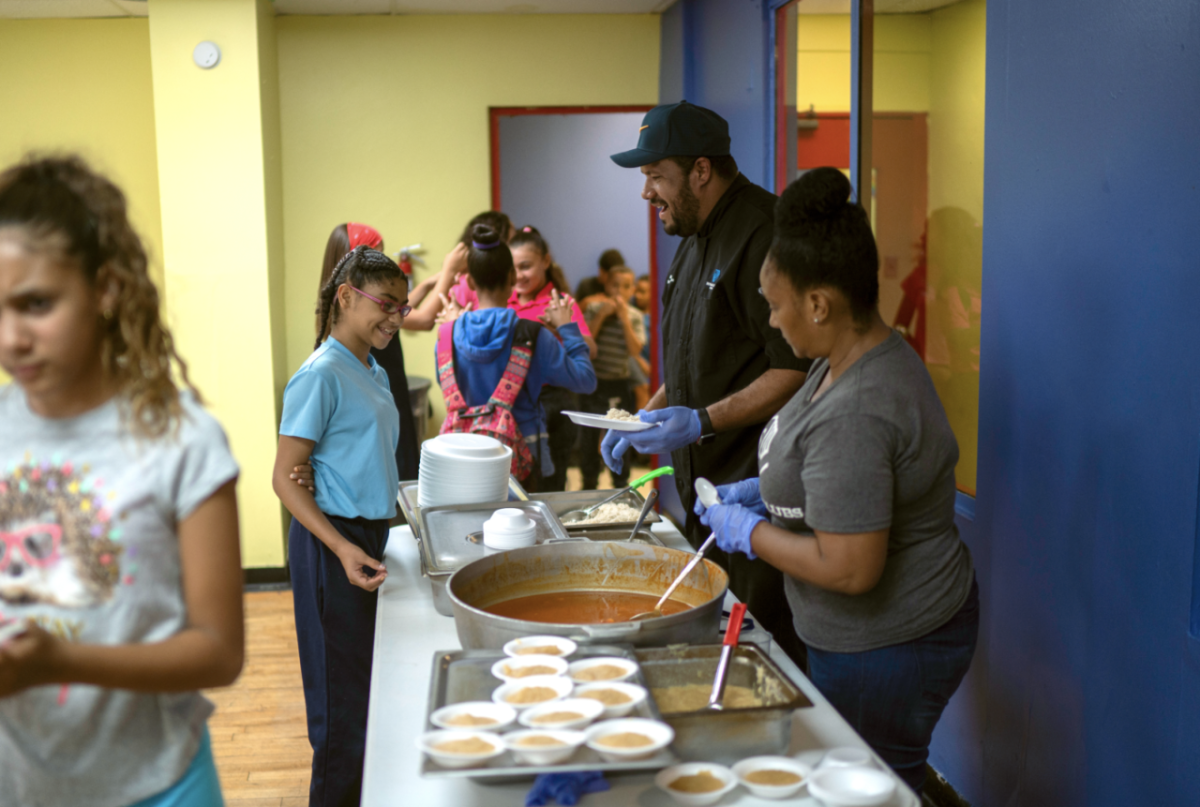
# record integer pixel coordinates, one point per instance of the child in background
(482, 342)
(641, 373)
(620, 333)
(118, 517)
(340, 418)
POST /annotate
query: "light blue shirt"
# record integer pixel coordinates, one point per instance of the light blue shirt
(348, 411)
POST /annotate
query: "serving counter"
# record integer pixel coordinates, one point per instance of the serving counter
(408, 631)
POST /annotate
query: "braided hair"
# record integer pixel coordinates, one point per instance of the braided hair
(358, 267)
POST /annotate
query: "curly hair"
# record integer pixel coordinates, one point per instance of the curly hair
(60, 203)
(358, 267)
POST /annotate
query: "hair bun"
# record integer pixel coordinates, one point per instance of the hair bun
(818, 195)
(484, 234)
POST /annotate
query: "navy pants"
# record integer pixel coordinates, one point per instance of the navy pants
(894, 696)
(335, 631)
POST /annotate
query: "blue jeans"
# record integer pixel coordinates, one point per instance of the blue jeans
(198, 787)
(335, 634)
(894, 696)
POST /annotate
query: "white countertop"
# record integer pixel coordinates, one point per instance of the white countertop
(408, 632)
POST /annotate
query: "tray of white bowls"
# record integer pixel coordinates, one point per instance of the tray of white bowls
(463, 469)
(542, 705)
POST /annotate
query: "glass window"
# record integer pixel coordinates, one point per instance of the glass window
(925, 197)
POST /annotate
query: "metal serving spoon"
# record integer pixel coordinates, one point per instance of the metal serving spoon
(707, 492)
(576, 516)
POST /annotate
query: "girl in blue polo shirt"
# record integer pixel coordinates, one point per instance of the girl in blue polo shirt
(339, 417)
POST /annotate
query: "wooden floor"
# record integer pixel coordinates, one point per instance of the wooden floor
(258, 731)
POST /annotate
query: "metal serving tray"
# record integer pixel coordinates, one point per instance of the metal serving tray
(466, 675)
(412, 511)
(731, 734)
(450, 539)
(563, 502)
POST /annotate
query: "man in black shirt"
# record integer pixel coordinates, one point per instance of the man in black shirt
(726, 370)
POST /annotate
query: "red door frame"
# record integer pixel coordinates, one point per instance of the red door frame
(495, 113)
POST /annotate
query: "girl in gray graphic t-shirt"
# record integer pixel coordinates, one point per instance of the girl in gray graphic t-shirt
(119, 559)
(855, 496)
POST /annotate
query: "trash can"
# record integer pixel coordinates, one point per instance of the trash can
(418, 396)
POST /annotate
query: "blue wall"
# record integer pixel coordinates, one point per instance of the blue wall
(1087, 687)
(555, 173)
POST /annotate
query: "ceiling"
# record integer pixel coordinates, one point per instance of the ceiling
(29, 9)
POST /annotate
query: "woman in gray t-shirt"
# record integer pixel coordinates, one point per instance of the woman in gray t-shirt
(855, 496)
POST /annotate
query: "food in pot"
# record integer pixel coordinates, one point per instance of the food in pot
(621, 414)
(532, 669)
(599, 672)
(558, 717)
(468, 720)
(539, 741)
(582, 607)
(702, 782)
(609, 697)
(532, 695)
(624, 739)
(470, 745)
(770, 776)
(540, 650)
(694, 697)
(610, 513)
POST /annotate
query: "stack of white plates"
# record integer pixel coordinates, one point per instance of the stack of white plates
(463, 469)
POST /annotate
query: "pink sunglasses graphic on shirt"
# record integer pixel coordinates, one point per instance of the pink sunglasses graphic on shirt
(37, 543)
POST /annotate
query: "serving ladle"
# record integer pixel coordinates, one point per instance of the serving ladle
(576, 516)
(707, 493)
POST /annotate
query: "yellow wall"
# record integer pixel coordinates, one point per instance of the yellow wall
(84, 86)
(385, 121)
(213, 140)
(902, 53)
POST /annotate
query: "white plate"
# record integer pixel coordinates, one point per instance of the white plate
(601, 422)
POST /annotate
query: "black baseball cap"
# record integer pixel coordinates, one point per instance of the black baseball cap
(677, 130)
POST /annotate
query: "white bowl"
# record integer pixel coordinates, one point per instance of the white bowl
(560, 685)
(628, 669)
(544, 755)
(851, 787)
(509, 528)
(502, 714)
(502, 668)
(429, 739)
(565, 646)
(788, 764)
(465, 446)
(847, 757)
(587, 708)
(636, 695)
(668, 775)
(660, 735)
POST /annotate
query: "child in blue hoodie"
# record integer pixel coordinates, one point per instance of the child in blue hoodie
(483, 340)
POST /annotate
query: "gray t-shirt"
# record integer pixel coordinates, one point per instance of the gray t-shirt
(874, 452)
(88, 516)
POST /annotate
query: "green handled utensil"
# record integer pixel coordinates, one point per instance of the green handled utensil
(575, 516)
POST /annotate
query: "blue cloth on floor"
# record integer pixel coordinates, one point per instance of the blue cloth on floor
(564, 788)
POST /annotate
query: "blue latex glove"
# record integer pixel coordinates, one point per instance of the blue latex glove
(565, 788)
(732, 524)
(680, 427)
(744, 493)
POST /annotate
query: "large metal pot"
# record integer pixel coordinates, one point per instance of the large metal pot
(587, 566)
